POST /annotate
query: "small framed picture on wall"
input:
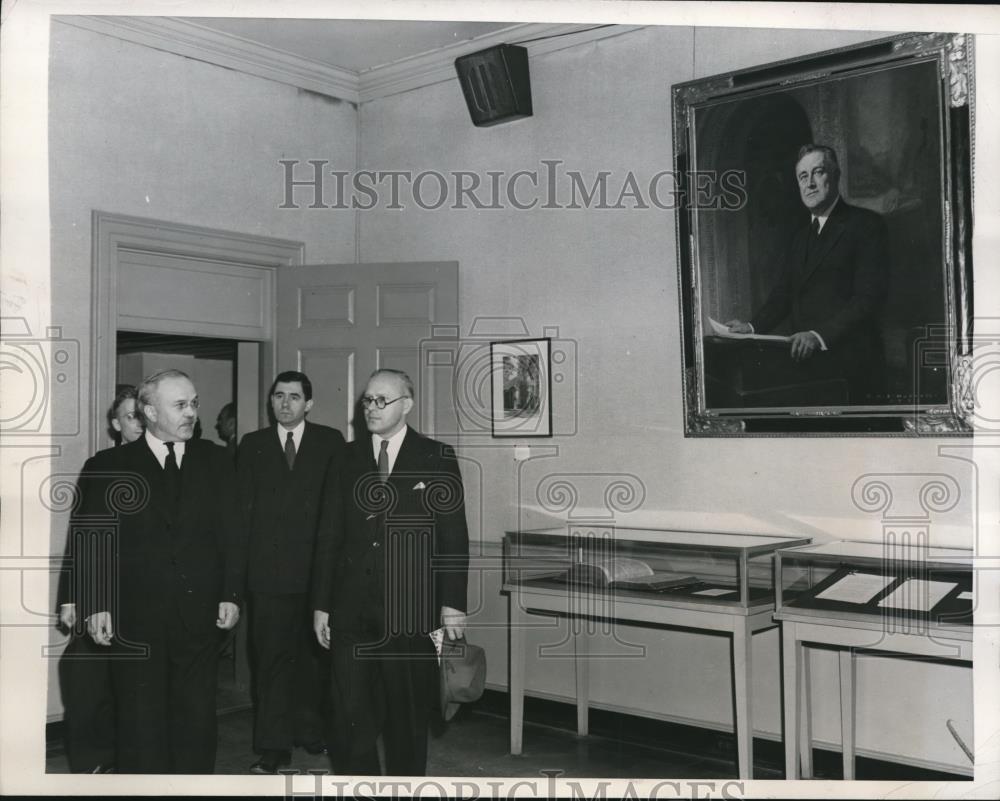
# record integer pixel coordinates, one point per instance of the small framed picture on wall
(521, 382)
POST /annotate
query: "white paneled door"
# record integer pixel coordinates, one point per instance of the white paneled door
(339, 322)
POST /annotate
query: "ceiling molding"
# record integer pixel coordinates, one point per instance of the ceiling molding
(188, 38)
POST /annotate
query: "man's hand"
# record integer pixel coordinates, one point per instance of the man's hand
(229, 615)
(100, 629)
(67, 616)
(804, 343)
(321, 625)
(453, 622)
(739, 327)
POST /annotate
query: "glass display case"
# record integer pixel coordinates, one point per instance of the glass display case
(875, 581)
(669, 566)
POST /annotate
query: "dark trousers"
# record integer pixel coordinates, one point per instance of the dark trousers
(166, 701)
(291, 695)
(89, 719)
(388, 688)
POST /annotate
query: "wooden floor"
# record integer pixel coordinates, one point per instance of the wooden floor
(477, 744)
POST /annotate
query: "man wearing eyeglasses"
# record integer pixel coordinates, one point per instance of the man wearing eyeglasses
(395, 572)
(286, 471)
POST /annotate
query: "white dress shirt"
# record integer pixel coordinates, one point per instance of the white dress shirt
(159, 449)
(395, 442)
(296, 435)
(824, 217)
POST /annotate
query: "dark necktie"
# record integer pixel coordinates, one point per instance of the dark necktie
(383, 461)
(172, 474)
(290, 450)
(812, 240)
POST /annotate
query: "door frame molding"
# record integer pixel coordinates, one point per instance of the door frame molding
(114, 233)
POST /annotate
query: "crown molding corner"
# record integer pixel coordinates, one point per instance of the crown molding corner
(186, 38)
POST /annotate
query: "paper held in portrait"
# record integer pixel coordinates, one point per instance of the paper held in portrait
(720, 330)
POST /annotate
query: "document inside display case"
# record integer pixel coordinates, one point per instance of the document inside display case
(942, 596)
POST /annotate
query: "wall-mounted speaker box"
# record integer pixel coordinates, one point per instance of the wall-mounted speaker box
(495, 84)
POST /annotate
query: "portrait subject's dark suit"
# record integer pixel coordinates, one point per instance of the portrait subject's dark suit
(84, 671)
(174, 561)
(836, 285)
(400, 555)
(283, 509)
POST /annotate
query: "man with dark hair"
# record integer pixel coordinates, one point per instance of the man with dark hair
(833, 285)
(88, 701)
(395, 571)
(178, 558)
(287, 474)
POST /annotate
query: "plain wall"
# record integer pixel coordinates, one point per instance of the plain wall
(607, 280)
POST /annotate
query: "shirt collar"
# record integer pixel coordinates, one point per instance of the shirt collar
(296, 434)
(395, 441)
(824, 217)
(160, 450)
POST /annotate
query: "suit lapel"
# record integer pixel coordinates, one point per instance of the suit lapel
(362, 456)
(276, 450)
(308, 447)
(147, 465)
(832, 231)
(408, 458)
(361, 468)
(191, 472)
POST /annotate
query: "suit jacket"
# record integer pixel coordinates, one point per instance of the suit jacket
(402, 550)
(283, 509)
(69, 585)
(836, 286)
(180, 558)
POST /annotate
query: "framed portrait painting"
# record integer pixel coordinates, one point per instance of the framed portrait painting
(521, 384)
(824, 242)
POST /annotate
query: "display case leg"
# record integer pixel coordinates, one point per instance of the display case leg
(847, 716)
(805, 710)
(743, 686)
(790, 693)
(582, 666)
(518, 619)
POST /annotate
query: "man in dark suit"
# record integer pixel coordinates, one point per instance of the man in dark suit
(393, 572)
(85, 673)
(286, 473)
(833, 284)
(165, 572)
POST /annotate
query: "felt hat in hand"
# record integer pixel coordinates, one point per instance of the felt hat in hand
(463, 675)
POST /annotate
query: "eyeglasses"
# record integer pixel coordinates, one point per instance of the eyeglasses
(380, 402)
